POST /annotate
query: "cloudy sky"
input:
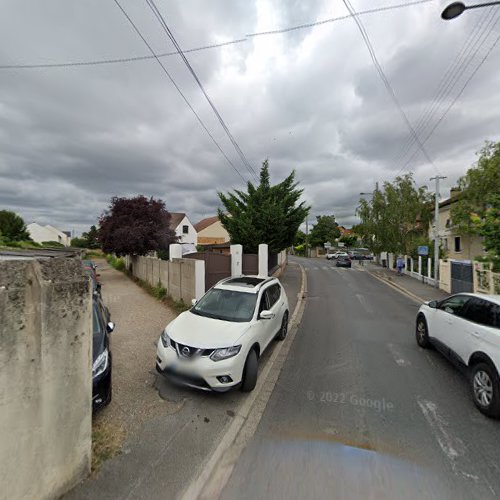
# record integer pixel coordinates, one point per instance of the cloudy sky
(310, 99)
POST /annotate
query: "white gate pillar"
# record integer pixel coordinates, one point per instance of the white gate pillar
(236, 260)
(263, 260)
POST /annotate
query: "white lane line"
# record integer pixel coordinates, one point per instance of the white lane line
(451, 446)
(364, 303)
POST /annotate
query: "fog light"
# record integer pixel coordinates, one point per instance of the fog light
(224, 379)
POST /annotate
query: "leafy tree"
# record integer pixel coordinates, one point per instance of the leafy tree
(348, 240)
(79, 242)
(12, 227)
(395, 217)
(477, 210)
(89, 239)
(135, 226)
(264, 214)
(325, 229)
(92, 237)
(300, 238)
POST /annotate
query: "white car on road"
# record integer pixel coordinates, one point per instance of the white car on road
(466, 328)
(216, 345)
(336, 255)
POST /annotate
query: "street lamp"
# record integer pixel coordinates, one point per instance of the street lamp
(456, 8)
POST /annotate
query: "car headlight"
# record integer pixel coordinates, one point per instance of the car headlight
(100, 364)
(225, 353)
(165, 339)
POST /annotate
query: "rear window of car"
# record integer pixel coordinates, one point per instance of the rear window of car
(483, 312)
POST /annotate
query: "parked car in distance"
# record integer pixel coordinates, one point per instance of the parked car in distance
(466, 329)
(216, 345)
(343, 261)
(336, 255)
(330, 254)
(90, 269)
(101, 354)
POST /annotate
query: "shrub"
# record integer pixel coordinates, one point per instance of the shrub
(116, 262)
(52, 244)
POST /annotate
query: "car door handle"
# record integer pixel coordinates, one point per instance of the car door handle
(476, 334)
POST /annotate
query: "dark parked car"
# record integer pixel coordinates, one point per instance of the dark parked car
(343, 262)
(101, 354)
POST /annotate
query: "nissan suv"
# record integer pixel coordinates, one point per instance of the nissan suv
(216, 345)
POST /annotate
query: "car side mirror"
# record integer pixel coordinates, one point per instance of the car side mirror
(193, 302)
(433, 304)
(266, 315)
(110, 326)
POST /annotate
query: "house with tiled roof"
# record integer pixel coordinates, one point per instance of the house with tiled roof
(183, 228)
(211, 231)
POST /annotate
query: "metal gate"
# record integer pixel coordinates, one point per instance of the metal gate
(217, 266)
(461, 277)
(250, 264)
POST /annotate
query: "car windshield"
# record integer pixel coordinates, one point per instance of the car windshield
(227, 305)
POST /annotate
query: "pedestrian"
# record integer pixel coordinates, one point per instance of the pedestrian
(400, 265)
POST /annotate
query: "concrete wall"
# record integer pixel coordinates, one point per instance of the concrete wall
(485, 280)
(179, 277)
(45, 377)
(445, 275)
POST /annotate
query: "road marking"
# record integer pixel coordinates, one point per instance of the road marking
(364, 303)
(452, 447)
(398, 357)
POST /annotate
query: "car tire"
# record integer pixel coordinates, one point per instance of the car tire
(284, 327)
(422, 332)
(250, 372)
(485, 387)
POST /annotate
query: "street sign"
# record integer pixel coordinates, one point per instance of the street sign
(341, 244)
(423, 250)
(328, 245)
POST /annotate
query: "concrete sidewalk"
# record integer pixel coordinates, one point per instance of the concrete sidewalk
(406, 284)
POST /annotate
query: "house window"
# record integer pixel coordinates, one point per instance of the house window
(458, 244)
(185, 229)
(448, 222)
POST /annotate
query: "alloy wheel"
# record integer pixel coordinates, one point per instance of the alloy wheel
(483, 388)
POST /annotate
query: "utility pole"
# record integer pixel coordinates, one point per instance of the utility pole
(436, 229)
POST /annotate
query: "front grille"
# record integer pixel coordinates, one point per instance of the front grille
(193, 351)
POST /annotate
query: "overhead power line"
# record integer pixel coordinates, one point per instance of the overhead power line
(385, 80)
(441, 87)
(172, 38)
(451, 79)
(461, 91)
(124, 60)
(136, 29)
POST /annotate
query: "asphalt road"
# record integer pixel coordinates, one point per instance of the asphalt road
(360, 411)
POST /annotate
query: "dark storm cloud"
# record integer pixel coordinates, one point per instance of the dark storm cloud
(309, 100)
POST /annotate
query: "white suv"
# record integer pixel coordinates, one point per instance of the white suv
(466, 328)
(217, 343)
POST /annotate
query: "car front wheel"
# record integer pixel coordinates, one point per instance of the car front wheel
(250, 372)
(284, 327)
(421, 333)
(485, 387)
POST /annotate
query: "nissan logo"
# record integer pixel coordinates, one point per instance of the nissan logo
(185, 351)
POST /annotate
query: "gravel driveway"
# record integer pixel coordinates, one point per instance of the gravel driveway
(139, 320)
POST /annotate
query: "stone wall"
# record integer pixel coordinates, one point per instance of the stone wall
(45, 377)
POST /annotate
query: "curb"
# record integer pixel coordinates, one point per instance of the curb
(399, 288)
(217, 469)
